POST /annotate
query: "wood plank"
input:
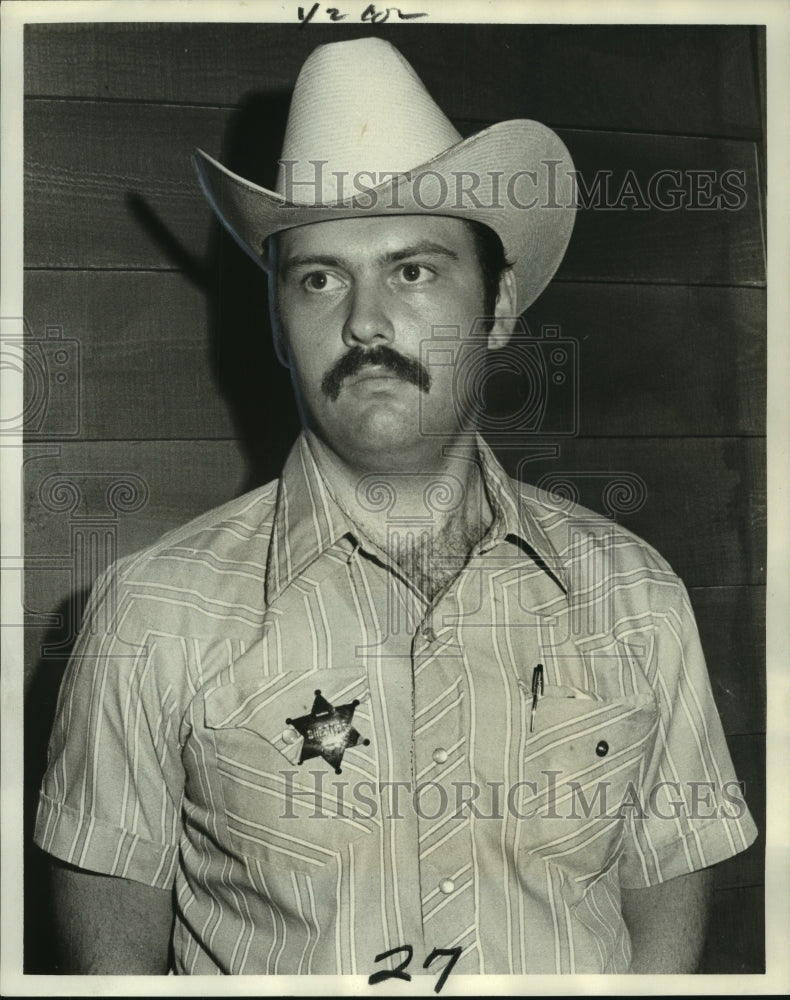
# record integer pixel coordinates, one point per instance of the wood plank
(736, 933)
(112, 185)
(160, 358)
(700, 502)
(731, 623)
(762, 146)
(662, 360)
(690, 79)
(748, 867)
(624, 237)
(144, 364)
(173, 481)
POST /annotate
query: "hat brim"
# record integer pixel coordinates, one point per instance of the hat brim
(515, 177)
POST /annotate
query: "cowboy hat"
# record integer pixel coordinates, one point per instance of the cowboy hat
(364, 137)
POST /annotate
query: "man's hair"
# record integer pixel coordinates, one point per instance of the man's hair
(492, 260)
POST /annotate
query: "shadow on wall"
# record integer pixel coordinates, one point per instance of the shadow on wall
(252, 380)
(255, 386)
(40, 953)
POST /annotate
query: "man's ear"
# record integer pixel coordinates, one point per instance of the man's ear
(505, 313)
(278, 334)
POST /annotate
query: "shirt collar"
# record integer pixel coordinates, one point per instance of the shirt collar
(515, 519)
(308, 520)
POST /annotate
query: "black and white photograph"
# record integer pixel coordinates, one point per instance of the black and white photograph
(392, 506)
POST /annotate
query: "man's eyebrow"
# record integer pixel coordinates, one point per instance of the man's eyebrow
(309, 260)
(424, 247)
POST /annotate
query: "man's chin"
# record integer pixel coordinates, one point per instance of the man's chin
(378, 442)
(392, 447)
(379, 406)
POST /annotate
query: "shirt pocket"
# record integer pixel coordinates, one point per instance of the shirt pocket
(295, 816)
(582, 772)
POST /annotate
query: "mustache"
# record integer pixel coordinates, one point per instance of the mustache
(357, 358)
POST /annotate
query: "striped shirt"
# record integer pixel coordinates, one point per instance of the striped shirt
(263, 712)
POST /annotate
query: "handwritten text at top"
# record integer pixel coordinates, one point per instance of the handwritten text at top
(370, 14)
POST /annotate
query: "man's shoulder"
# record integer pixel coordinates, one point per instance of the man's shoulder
(240, 525)
(196, 574)
(574, 531)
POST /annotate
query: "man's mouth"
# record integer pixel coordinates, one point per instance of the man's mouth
(380, 362)
(370, 372)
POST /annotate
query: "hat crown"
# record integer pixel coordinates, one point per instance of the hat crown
(358, 109)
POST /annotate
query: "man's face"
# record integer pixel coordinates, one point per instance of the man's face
(356, 299)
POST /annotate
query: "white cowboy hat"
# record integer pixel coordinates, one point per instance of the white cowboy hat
(364, 137)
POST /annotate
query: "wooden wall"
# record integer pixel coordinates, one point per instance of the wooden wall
(172, 390)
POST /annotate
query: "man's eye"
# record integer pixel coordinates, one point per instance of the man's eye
(415, 273)
(321, 281)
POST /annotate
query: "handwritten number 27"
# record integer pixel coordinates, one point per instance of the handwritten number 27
(399, 972)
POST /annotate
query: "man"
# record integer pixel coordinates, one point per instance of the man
(394, 702)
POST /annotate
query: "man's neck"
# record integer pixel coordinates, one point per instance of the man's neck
(427, 518)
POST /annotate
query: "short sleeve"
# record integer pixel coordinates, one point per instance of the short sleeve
(111, 797)
(692, 810)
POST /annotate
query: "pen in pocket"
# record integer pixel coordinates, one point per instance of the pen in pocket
(537, 691)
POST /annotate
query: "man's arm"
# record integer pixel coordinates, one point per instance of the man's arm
(667, 923)
(109, 925)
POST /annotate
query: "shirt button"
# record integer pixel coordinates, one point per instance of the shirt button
(602, 749)
(440, 755)
(290, 736)
(447, 886)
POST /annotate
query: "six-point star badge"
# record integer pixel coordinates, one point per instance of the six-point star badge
(327, 731)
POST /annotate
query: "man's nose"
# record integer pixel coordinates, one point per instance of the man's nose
(368, 320)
